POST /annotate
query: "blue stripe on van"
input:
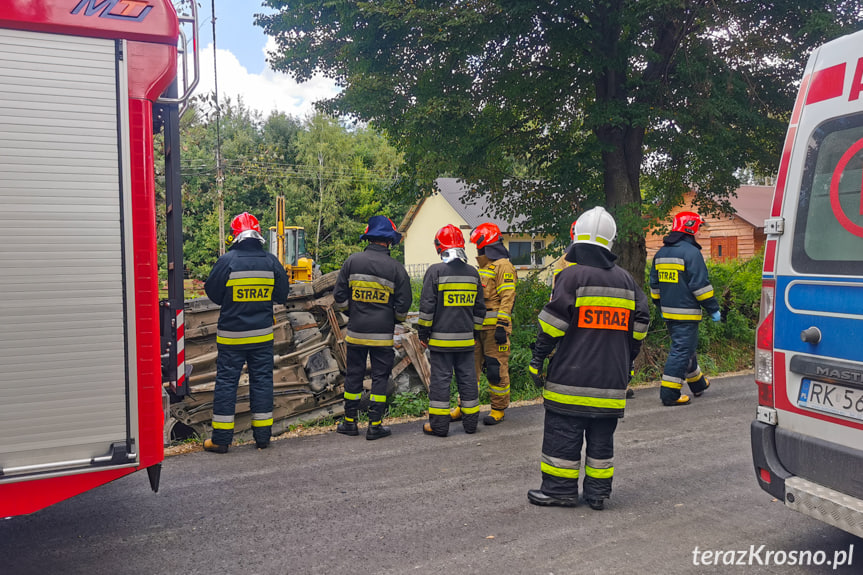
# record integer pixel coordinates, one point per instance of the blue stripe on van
(841, 337)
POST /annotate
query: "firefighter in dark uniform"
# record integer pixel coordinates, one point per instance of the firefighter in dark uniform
(492, 350)
(564, 262)
(680, 286)
(245, 282)
(374, 290)
(597, 318)
(451, 312)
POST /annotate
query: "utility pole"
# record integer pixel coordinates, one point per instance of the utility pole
(320, 203)
(220, 177)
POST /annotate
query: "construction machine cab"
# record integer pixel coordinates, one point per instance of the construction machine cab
(288, 243)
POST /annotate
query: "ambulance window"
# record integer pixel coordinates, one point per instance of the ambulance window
(828, 235)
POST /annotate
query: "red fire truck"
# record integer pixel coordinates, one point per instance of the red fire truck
(85, 342)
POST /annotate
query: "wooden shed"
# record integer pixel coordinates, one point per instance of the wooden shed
(729, 237)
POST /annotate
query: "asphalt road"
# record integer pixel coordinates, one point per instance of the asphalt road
(417, 504)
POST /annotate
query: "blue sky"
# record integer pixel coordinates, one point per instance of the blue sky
(242, 66)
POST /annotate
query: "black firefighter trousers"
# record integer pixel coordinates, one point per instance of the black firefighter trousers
(562, 440)
(443, 366)
(229, 366)
(382, 365)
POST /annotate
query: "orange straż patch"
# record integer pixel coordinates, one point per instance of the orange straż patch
(599, 317)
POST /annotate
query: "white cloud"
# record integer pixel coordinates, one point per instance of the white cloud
(266, 91)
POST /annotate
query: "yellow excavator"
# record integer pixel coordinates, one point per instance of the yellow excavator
(288, 243)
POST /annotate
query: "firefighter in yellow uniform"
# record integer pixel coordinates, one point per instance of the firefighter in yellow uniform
(492, 349)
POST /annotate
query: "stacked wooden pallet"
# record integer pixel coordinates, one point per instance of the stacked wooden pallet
(309, 363)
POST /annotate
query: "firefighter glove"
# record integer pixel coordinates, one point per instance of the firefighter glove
(424, 333)
(500, 335)
(716, 316)
(535, 369)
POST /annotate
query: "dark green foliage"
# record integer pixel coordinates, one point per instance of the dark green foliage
(333, 179)
(408, 404)
(627, 104)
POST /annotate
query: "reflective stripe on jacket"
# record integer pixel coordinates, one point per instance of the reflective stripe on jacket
(451, 306)
(375, 291)
(679, 282)
(246, 282)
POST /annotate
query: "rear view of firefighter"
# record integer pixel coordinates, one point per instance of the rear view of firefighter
(564, 262)
(375, 291)
(246, 282)
(597, 318)
(680, 286)
(451, 313)
(492, 350)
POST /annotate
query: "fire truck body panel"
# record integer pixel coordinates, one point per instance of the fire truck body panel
(80, 368)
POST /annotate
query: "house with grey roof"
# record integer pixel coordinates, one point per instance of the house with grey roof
(444, 206)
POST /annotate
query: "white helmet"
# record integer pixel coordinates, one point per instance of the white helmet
(596, 227)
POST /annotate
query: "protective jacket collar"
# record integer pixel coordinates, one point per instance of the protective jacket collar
(496, 251)
(590, 255)
(675, 237)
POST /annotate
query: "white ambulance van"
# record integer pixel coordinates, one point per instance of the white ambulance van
(807, 439)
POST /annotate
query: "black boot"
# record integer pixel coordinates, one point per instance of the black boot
(538, 497)
(377, 431)
(348, 428)
(596, 504)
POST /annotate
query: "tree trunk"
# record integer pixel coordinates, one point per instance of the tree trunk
(621, 142)
(622, 169)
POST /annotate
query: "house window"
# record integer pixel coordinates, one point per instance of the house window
(525, 253)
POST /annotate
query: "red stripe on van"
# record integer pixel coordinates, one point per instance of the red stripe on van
(826, 84)
(770, 257)
(776, 210)
(798, 103)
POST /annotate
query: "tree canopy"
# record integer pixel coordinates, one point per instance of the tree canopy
(333, 178)
(553, 107)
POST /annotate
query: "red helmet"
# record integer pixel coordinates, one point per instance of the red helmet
(687, 222)
(448, 237)
(243, 223)
(485, 234)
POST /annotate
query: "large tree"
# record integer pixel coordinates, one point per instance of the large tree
(552, 107)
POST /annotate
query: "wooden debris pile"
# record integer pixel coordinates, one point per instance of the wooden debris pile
(309, 364)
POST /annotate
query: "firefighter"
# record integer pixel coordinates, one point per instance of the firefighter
(492, 349)
(374, 290)
(452, 310)
(246, 282)
(680, 286)
(564, 262)
(597, 318)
